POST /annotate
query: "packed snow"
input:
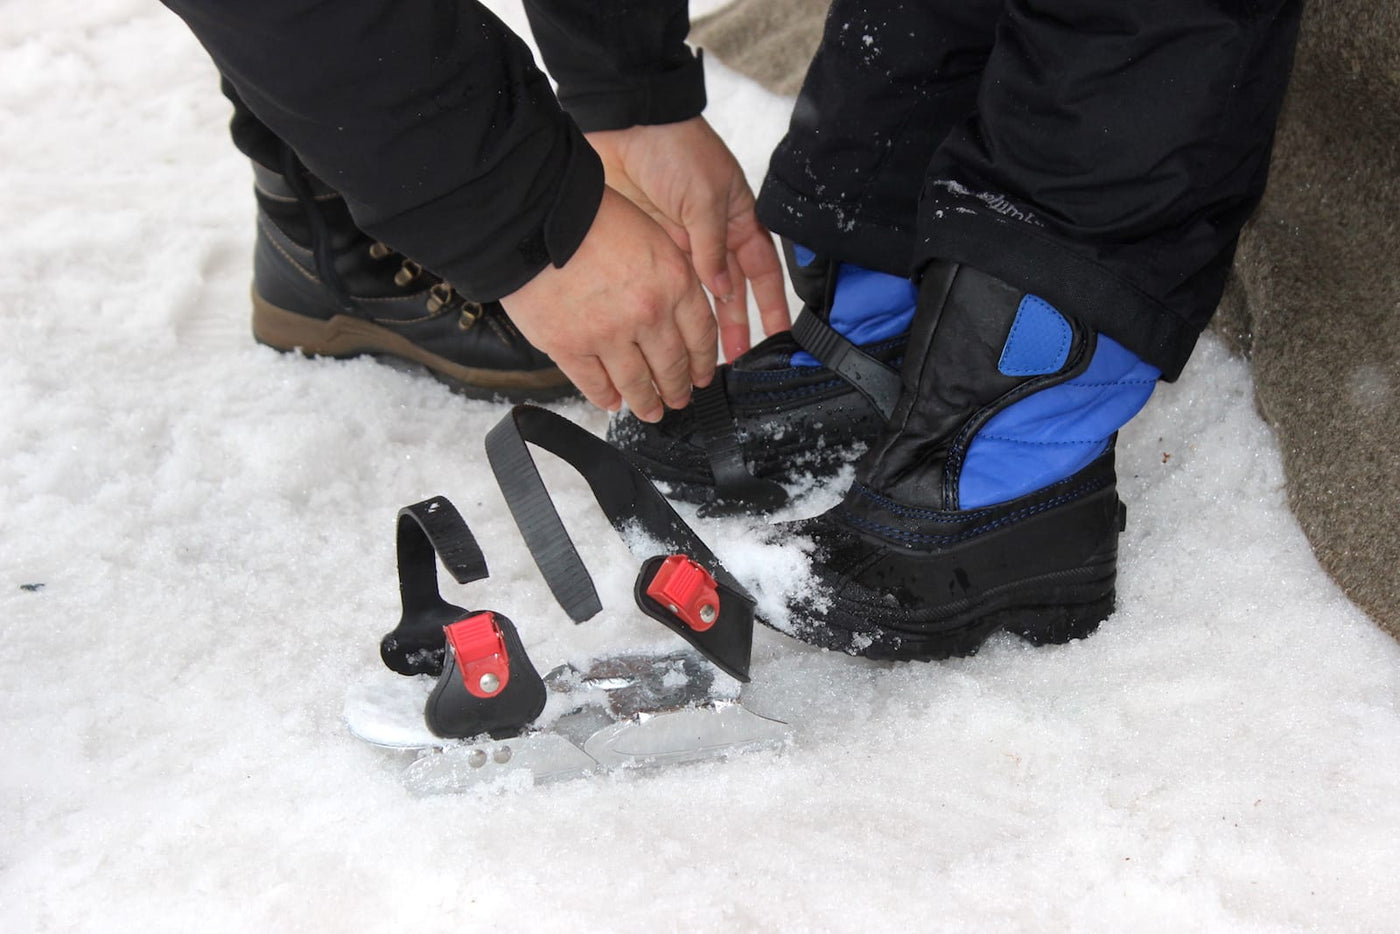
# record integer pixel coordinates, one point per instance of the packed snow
(197, 560)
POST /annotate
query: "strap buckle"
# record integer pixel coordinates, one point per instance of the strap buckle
(682, 586)
(480, 648)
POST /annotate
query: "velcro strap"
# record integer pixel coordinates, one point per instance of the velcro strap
(872, 379)
(629, 501)
(736, 490)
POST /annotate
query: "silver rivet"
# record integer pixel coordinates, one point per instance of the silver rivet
(476, 758)
(673, 608)
(502, 754)
(708, 613)
(489, 683)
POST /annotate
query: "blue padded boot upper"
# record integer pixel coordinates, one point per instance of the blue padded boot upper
(867, 307)
(1053, 433)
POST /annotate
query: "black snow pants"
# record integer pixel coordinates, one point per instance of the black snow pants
(1103, 154)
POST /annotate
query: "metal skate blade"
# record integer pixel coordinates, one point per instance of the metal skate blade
(536, 759)
(625, 711)
(387, 710)
(643, 684)
(689, 735)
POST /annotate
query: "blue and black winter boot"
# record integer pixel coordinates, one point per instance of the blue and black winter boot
(801, 404)
(322, 286)
(988, 501)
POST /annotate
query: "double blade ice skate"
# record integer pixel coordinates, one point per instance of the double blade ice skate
(478, 713)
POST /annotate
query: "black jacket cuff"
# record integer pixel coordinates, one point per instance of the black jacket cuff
(615, 103)
(500, 242)
(620, 63)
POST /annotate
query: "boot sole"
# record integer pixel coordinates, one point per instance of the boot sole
(343, 336)
(1072, 611)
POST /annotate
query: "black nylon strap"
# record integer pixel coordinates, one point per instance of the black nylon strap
(736, 490)
(536, 517)
(435, 529)
(868, 376)
(629, 501)
(427, 531)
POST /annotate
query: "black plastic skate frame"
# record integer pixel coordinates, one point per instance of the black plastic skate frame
(459, 706)
(428, 531)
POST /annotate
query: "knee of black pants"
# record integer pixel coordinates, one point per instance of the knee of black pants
(889, 80)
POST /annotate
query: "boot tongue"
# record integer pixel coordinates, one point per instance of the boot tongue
(813, 278)
(969, 348)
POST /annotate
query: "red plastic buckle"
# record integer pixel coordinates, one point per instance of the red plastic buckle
(480, 649)
(687, 590)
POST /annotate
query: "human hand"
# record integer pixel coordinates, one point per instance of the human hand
(625, 318)
(684, 176)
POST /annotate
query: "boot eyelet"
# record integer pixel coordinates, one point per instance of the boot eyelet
(407, 273)
(379, 250)
(439, 296)
(471, 314)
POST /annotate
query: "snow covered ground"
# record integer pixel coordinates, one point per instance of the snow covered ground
(211, 524)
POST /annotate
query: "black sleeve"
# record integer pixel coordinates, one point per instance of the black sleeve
(620, 63)
(429, 117)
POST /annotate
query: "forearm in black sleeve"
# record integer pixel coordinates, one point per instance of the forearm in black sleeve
(429, 117)
(620, 63)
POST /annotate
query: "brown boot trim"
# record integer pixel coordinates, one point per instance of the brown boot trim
(345, 336)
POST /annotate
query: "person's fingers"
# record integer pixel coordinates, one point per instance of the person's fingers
(644, 338)
(669, 361)
(758, 259)
(708, 228)
(588, 375)
(697, 329)
(630, 373)
(734, 316)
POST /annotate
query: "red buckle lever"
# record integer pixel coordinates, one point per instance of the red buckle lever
(687, 590)
(481, 654)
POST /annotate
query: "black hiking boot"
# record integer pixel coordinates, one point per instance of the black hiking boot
(323, 287)
(766, 422)
(903, 569)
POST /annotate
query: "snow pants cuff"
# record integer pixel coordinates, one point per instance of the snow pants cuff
(835, 229)
(1104, 155)
(979, 235)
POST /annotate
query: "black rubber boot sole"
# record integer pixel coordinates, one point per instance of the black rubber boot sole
(343, 336)
(961, 634)
(894, 581)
